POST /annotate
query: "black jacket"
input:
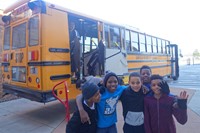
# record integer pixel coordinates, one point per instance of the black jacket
(75, 125)
(133, 110)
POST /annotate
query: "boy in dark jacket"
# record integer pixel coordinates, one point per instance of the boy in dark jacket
(145, 73)
(91, 95)
(160, 108)
(132, 100)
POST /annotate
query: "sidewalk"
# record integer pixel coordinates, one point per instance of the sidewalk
(25, 116)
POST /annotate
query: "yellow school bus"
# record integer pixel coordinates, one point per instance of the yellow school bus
(40, 51)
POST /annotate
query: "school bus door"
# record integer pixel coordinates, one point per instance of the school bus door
(174, 61)
(18, 56)
(34, 48)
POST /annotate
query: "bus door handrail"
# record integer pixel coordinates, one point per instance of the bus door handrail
(66, 103)
(120, 50)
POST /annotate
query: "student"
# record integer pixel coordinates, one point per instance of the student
(91, 95)
(74, 49)
(145, 72)
(160, 108)
(107, 116)
(73, 32)
(132, 100)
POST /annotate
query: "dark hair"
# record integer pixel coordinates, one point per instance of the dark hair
(145, 67)
(88, 90)
(107, 76)
(156, 76)
(134, 74)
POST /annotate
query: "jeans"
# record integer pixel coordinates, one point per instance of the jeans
(111, 129)
(133, 129)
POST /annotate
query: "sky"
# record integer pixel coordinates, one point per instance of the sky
(174, 20)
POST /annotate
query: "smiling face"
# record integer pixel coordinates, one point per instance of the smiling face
(111, 84)
(96, 98)
(155, 86)
(135, 83)
(145, 75)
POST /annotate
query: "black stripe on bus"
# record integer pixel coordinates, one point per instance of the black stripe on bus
(59, 50)
(56, 77)
(129, 61)
(150, 67)
(49, 63)
(5, 64)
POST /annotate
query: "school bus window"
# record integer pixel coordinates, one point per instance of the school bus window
(128, 41)
(167, 48)
(172, 51)
(142, 43)
(6, 44)
(19, 36)
(19, 74)
(167, 42)
(159, 46)
(114, 37)
(34, 31)
(90, 44)
(94, 43)
(134, 41)
(90, 35)
(106, 29)
(149, 44)
(154, 45)
(123, 39)
(164, 46)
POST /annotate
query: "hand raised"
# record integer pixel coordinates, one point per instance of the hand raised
(164, 87)
(183, 95)
(182, 100)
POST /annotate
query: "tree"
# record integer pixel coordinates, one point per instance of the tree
(196, 54)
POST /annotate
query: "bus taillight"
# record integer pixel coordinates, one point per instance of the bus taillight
(60, 92)
(6, 57)
(33, 55)
(30, 79)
